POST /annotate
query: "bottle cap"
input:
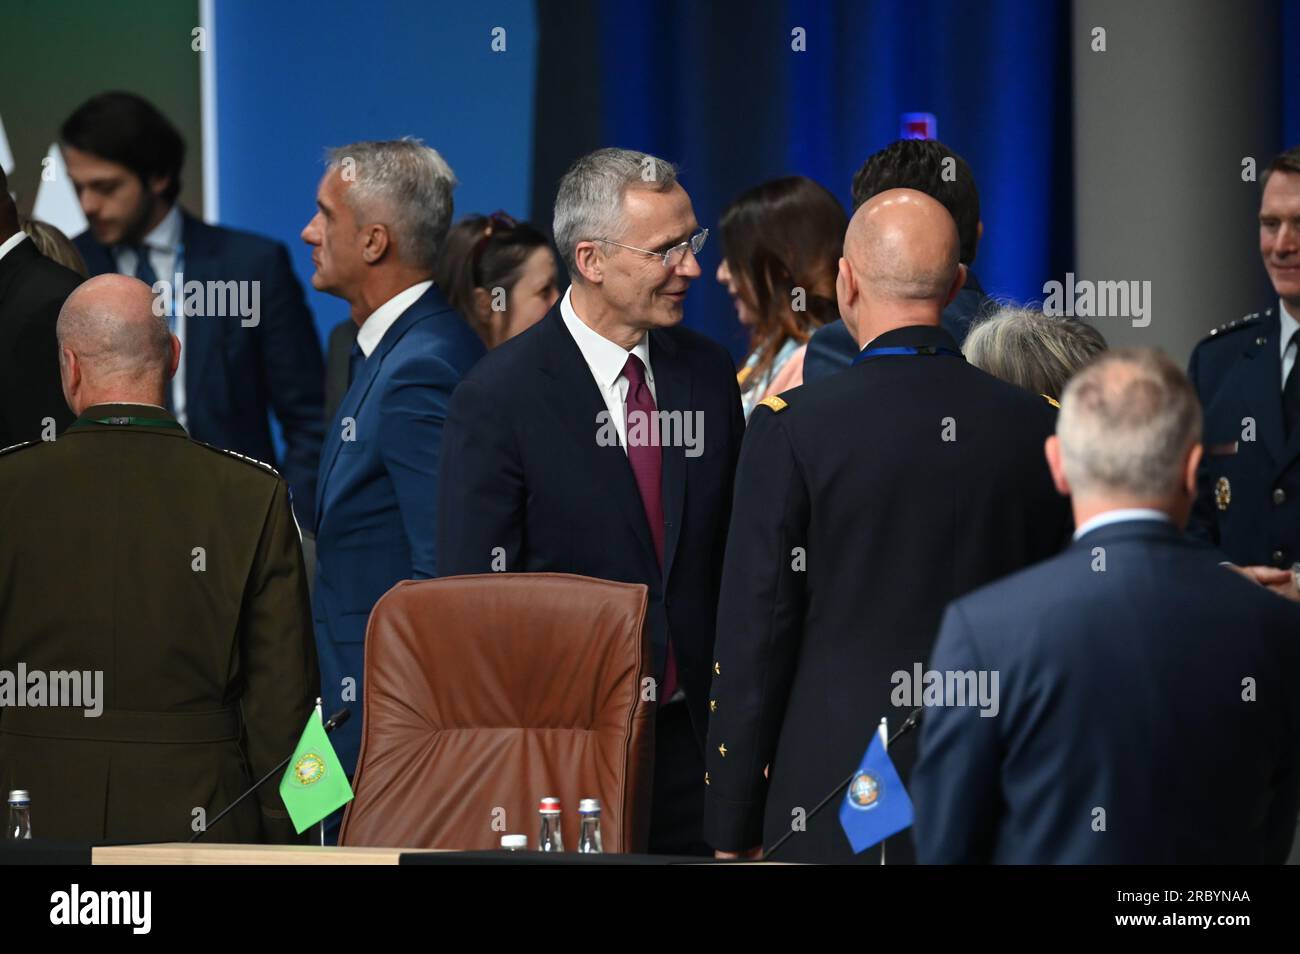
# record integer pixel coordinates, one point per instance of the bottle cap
(588, 806)
(19, 795)
(550, 804)
(514, 841)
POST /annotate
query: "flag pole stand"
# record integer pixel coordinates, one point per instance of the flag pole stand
(884, 741)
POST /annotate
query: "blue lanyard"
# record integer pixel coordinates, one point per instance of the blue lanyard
(925, 350)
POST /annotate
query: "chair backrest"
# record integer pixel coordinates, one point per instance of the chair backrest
(485, 693)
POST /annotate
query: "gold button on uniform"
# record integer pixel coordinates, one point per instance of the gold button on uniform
(716, 670)
(722, 750)
(713, 705)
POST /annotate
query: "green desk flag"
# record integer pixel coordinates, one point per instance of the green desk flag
(314, 784)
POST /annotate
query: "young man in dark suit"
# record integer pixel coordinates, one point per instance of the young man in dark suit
(602, 442)
(383, 209)
(864, 503)
(242, 359)
(1147, 711)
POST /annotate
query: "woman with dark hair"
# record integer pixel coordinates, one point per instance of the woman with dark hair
(781, 245)
(499, 275)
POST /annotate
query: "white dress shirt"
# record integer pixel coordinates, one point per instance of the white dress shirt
(1289, 327)
(1119, 516)
(163, 245)
(11, 241)
(606, 360)
(374, 328)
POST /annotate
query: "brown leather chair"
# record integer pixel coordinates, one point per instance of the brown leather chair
(485, 693)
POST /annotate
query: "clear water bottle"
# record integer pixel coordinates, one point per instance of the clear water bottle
(589, 832)
(20, 815)
(514, 842)
(550, 838)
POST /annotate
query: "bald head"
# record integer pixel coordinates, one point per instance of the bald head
(112, 347)
(904, 245)
(901, 263)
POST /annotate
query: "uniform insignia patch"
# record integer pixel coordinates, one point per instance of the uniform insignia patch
(1051, 400)
(864, 792)
(775, 403)
(1222, 493)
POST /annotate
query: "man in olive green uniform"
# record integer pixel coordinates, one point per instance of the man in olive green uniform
(172, 568)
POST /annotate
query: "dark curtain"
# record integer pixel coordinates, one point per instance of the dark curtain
(716, 88)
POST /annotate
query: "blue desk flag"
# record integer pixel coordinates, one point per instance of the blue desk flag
(876, 805)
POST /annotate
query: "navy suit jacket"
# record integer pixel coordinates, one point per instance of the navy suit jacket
(377, 492)
(832, 348)
(1121, 691)
(523, 470)
(235, 374)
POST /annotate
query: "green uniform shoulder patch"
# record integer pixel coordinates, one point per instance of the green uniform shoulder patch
(229, 453)
(775, 403)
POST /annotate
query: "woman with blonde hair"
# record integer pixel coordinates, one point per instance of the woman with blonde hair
(1029, 349)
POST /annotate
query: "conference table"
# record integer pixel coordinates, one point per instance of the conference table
(186, 853)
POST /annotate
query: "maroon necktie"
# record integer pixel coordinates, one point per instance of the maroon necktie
(646, 459)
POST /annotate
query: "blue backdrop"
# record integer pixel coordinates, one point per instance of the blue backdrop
(718, 88)
(715, 87)
(293, 79)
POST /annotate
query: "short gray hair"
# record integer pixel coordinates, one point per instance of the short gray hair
(589, 203)
(1029, 349)
(1126, 422)
(403, 184)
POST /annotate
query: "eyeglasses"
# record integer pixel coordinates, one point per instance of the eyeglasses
(671, 257)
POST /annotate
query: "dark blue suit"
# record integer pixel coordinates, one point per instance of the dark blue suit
(524, 471)
(378, 490)
(1120, 690)
(1248, 500)
(832, 348)
(235, 374)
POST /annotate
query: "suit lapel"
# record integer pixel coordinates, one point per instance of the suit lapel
(203, 335)
(356, 394)
(673, 387)
(1260, 380)
(577, 403)
(98, 259)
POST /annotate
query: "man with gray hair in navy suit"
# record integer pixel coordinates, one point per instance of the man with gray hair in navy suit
(1128, 665)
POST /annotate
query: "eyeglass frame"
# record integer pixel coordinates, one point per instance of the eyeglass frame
(702, 235)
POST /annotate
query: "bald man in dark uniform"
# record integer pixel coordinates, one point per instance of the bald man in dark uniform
(864, 503)
(167, 575)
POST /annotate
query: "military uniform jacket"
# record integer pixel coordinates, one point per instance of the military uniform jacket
(174, 569)
(1248, 486)
(864, 503)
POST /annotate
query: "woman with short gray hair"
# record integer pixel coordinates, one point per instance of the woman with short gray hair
(1037, 352)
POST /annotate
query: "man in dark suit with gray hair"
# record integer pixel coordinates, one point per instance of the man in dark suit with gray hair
(1147, 711)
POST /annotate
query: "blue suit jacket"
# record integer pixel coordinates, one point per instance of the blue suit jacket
(1121, 690)
(832, 348)
(377, 492)
(235, 375)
